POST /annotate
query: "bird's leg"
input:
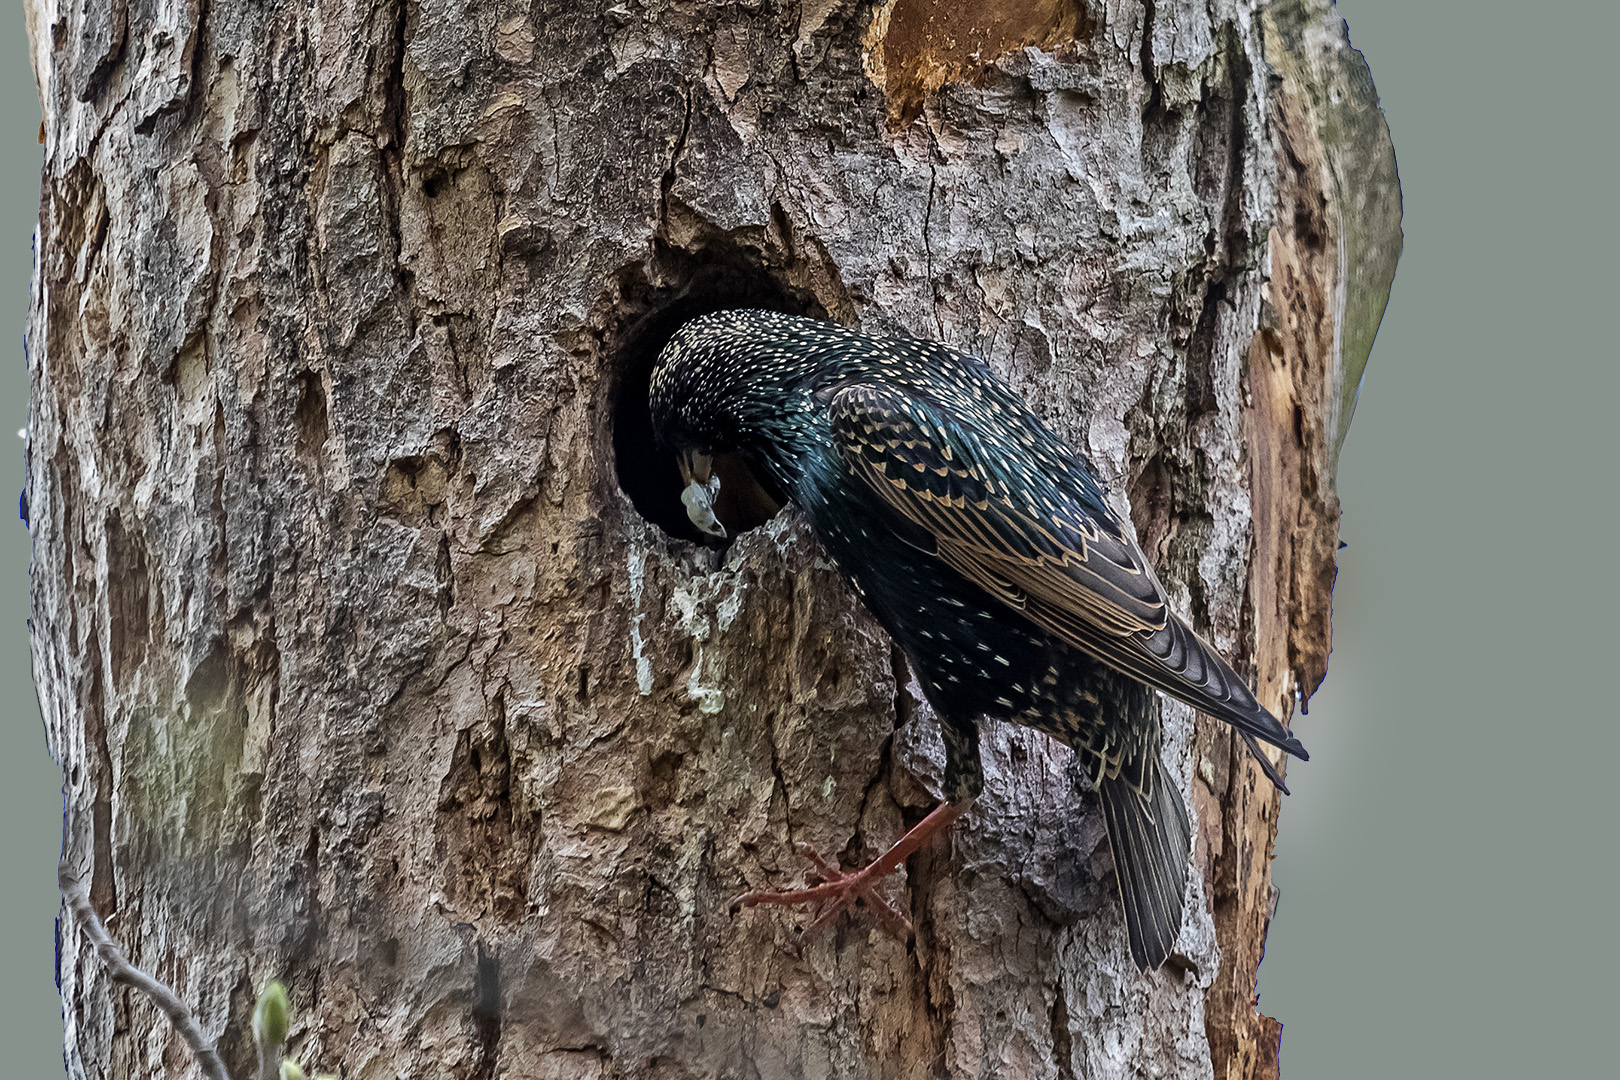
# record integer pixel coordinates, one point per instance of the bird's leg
(839, 890)
(964, 779)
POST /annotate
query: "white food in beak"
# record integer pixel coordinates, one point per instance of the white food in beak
(699, 501)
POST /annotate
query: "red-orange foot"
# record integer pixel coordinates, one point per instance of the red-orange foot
(838, 890)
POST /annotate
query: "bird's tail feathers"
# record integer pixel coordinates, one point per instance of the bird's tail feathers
(1264, 762)
(1152, 843)
(1178, 662)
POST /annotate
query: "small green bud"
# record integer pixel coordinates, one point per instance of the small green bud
(290, 1070)
(270, 1016)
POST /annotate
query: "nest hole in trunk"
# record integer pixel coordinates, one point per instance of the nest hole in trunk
(684, 285)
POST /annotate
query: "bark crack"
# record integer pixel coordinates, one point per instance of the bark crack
(667, 182)
(781, 781)
(872, 783)
(903, 710)
(554, 174)
(928, 247)
(1062, 1039)
(486, 1011)
(1150, 78)
(186, 107)
(394, 79)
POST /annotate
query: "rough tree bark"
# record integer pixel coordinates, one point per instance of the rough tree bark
(367, 656)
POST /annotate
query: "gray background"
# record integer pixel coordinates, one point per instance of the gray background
(1447, 863)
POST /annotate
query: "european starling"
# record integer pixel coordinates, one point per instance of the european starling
(985, 547)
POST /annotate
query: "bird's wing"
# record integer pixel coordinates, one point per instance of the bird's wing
(1020, 537)
(1032, 538)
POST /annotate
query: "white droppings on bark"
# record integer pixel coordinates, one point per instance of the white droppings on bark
(638, 578)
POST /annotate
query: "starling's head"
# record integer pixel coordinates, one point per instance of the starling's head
(724, 395)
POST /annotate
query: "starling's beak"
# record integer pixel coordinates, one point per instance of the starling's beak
(701, 488)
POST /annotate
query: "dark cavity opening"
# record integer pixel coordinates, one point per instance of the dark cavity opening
(675, 288)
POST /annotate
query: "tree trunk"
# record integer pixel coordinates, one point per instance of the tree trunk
(364, 624)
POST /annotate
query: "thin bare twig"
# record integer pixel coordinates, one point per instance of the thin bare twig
(119, 969)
